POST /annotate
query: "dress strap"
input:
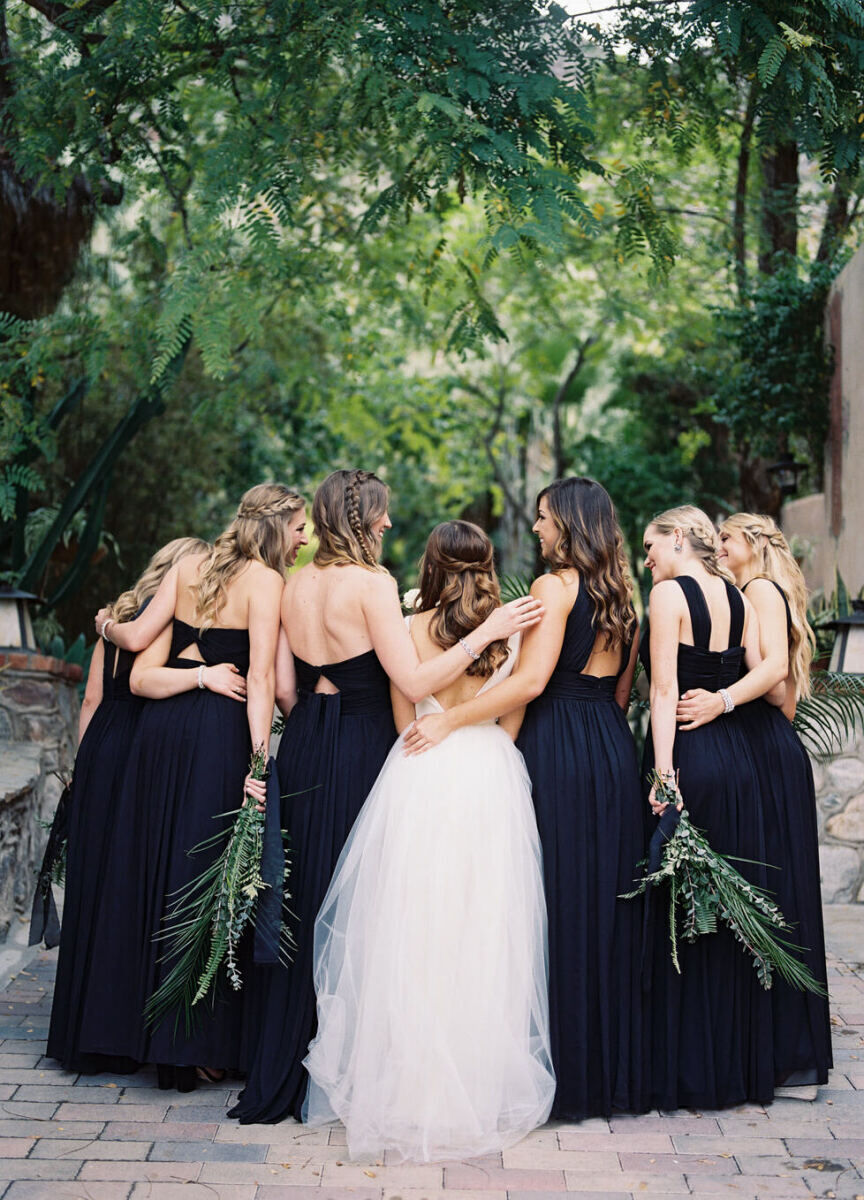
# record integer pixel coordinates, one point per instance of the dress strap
(783, 597)
(700, 617)
(736, 614)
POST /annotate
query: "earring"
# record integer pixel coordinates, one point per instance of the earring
(677, 547)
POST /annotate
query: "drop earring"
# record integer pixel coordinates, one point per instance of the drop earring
(677, 547)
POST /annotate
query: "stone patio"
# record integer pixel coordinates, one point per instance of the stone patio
(68, 1137)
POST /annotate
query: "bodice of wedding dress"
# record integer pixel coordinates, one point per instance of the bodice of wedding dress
(430, 704)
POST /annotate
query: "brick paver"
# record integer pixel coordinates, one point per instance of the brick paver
(68, 1137)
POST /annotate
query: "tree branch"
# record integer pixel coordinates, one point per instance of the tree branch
(558, 401)
(739, 212)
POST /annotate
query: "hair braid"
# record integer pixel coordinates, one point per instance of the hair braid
(346, 507)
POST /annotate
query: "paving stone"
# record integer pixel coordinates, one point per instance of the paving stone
(90, 1148)
(278, 1191)
(17, 1046)
(19, 1075)
(634, 1139)
(144, 1171)
(689, 1143)
(200, 1098)
(209, 1112)
(37, 1129)
(28, 1168)
(682, 1123)
(58, 1094)
(29, 1059)
(318, 1155)
(262, 1173)
(531, 1158)
(291, 1138)
(15, 1147)
(690, 1164)
(6, 1090)
(753, 1187)
(201, 1151)
(144, 1079)
(159, 1131)
(422, 1175)
(72, 1111)
(73, 1190)
(192, 1191)
(23, 1108)
(556, 1195)
(827, 1147)
(463, 1175)
(627, 1181)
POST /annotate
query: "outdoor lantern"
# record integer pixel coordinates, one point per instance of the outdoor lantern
(16, 628)
(848, 652)
(785, 474)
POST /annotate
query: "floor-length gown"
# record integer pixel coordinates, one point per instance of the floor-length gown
(185, 773)
(802, 1024)
(711, 1026)
(331, 752)
(430, 958)
(92, 807)
(582, 760)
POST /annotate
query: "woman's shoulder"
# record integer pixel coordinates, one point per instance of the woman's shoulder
(258, 574)
(554, 588)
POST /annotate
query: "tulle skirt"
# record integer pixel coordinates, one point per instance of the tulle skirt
(430, 960)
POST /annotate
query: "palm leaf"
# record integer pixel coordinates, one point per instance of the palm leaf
(832, 714)
(514, 586)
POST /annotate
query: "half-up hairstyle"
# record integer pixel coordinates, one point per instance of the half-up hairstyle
(699, 531)
(346, 506)
(128, 603)
(775, 561)
(590, 542)
(259, 532)
(459, 585)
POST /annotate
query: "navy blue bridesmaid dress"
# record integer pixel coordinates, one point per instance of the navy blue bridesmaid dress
(582, 760)
(802, 1024)
(331, 752)
(711, 1026)
(185, 770)
(92, 808)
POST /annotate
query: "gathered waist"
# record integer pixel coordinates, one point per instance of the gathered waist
(573, 685)
(350, 704)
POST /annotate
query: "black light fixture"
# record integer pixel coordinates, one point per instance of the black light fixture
(848, 651)
(16, 627)
(785, 474)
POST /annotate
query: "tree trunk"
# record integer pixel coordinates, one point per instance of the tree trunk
(779, 204)
(739, 214)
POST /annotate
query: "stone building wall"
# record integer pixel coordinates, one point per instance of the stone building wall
(38, 736)
(840, 807)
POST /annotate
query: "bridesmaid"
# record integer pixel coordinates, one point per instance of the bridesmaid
(344, 640)
(109, 714)
(711, 1025)
(575, 672)
(757, 554)
(186, 767)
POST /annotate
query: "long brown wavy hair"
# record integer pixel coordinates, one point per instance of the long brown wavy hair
(774, 560)
(459, 585)
(590, 542)
(258, 532)
(128, 603)
(345, 507)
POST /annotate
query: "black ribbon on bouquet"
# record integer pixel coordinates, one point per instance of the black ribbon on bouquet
(44, 919)
(268, 922)
(664, 833)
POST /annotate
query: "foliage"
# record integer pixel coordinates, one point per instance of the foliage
(706, 891)
(832, 714)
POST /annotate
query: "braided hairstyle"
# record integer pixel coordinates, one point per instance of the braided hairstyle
(590, 541)
(128, 603)
(346, 506)
(773, 560)
(459, 585)
(259, 532)
(699, 532)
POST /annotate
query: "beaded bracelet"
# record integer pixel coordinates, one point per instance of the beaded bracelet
(728, 702)
(471, 653)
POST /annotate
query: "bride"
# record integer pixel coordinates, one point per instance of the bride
(430, 946)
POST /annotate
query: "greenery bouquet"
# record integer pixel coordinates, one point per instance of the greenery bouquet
(210, 915)
(705, 890)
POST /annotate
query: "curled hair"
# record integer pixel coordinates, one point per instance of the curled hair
(128, 603)
(700, 533)
(257, 532)
(775, 561)
(346, 506)
(590, 542)
(459, 585)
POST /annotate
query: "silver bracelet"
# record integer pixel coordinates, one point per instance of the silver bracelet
(728, 702)
(104, 631)
(471, 653)
(201, 682)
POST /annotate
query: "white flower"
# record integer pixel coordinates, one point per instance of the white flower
(410, 598)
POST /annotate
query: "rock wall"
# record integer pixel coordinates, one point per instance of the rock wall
(38, 736)
(840, 807)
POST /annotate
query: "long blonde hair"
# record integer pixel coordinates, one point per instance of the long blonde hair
(700, 533)
(590, 541)
(459, 585)
(775, 561)
(128, 603)
(257, 532)
(345, 507)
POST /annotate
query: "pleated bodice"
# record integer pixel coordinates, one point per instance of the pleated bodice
(215, 645)
(699, 667)
(364, 688)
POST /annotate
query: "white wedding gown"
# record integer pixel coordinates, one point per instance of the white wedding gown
(431, 959)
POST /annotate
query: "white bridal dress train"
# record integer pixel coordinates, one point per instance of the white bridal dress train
(431, 959)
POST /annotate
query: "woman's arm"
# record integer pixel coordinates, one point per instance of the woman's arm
(286, 676)
(511, 722)
(265, 600)
(152, 679)
(138, 634)
(404, 711)
(665, 611)
(624, 686)
(93, 690)
(397, 653)
(766, 655)
(541, 647)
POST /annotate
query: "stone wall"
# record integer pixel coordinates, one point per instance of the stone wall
(840, 806)
(38, 736)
